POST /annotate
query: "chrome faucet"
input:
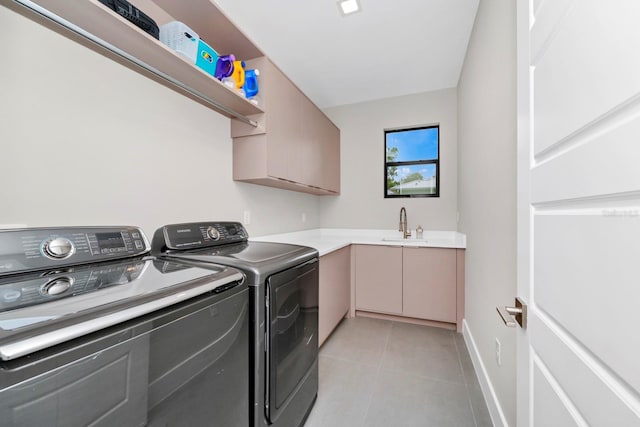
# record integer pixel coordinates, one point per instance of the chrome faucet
(406, 232)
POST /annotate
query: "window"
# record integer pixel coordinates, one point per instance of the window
(412, 162)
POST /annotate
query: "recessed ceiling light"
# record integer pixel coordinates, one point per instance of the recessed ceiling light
(348, 6)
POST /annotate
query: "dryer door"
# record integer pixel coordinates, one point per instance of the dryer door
(292, 328)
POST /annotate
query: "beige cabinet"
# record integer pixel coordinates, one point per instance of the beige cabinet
(412, 282)
(378, 278)
(335, 278)
(331, 158)
(295, 146)
(429, 283)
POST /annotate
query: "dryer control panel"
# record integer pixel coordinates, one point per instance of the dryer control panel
(30, 249)
(196, 235)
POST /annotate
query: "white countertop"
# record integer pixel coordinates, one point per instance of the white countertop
(327, 240)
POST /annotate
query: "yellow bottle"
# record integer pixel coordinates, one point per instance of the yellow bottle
(238, 73)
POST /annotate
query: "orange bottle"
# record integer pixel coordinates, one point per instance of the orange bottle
(238, 73)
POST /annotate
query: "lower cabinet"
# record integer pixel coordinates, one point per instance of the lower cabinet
(417, 282)
(378, 278)
(335, 290)
(429, 283)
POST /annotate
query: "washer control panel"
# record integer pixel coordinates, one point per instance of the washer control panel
(213, 233)
(58, 248)
(40, 248)
(198, 235)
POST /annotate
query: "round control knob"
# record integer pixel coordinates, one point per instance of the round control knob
(213, 233)
(58, 248)
(56, 286)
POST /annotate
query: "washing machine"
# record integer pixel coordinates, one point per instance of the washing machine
(283, 294)
(94, 331)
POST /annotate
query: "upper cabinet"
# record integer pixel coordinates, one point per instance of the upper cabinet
(295, 146)
(284, 141)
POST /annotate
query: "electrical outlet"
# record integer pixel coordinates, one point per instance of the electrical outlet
(498, 352)
(304, 217)
(246, 217)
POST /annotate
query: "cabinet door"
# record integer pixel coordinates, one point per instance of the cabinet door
(379, 278)
(429, 283)
(283, 123)
(330, 156)
(306, 161)
(335, 290)
(321, 139)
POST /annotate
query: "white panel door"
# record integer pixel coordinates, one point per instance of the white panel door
(579, 212)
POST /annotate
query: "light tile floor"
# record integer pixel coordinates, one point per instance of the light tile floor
(381, 373)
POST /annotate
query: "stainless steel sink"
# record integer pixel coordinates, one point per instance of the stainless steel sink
(400, 239)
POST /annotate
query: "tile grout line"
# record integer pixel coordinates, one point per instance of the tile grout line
(384, 351)
(344, 359)
(450, 335)
(466, 383)
(377, 368)
(455, 343)
(426, 378)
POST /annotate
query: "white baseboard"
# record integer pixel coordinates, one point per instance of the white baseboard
(495, 410)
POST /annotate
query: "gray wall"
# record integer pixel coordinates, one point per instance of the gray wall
(362, 204)
(87, 141)
(487, 188)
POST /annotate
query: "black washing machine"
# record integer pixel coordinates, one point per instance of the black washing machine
(283, 290)
(92, 332)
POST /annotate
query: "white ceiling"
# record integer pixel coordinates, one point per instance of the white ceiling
(389, 48)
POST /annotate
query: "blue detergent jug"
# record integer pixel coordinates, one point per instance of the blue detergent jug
(251, 83)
